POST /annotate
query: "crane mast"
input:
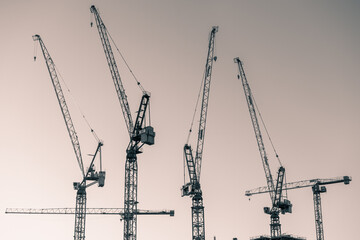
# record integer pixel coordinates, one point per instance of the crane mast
(317, 186)
(278, 205)
(91, 175)
(193, 188)
(139, 134)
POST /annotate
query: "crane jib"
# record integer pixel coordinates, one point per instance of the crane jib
(254, 121)
(63, 106)
(120, 91)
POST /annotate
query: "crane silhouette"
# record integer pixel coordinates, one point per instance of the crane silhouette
(90, 177)
(318, 187)
(279, 203)
(139, 132)
(193, 188)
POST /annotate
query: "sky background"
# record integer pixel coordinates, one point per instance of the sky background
(302, 61)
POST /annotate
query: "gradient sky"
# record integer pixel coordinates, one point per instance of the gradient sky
(302, 61)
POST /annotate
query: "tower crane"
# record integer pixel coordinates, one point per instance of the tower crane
(279, 203)
(138, 132)
(90, 177)
(318, 187)
(193, 188)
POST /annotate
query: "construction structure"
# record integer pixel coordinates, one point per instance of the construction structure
(280, 204)
(139, 132)
(90, 175)
(89, 211)
(318, 187)
(193, 188)
(282, 237)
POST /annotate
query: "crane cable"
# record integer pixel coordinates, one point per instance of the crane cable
(72, 96)
(197, 101)
(195, 110)
(77, 105)
(271, 142)
(192, 121)
(267, 133)
(127, 65)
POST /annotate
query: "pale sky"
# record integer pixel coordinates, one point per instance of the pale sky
(301, 59)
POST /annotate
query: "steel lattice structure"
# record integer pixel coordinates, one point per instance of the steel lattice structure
(138, 132)
(89, 211)
(318, 187)
(80, 223)
(278, 203)
(91, 174)
(80, 213)
(193, 188)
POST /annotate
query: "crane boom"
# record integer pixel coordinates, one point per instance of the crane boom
(205, 100)
(61, 99)
(254, 121)
(278, 204)
(302, 184)
(91, 211)
(114, 70)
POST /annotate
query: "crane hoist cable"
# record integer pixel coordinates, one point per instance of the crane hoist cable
(270, 140)
(262, 120)
(192, 121)
(72, 97)
(123, 58)
(267, 133)
(195, 110)
(78, 107)
(199, 95)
